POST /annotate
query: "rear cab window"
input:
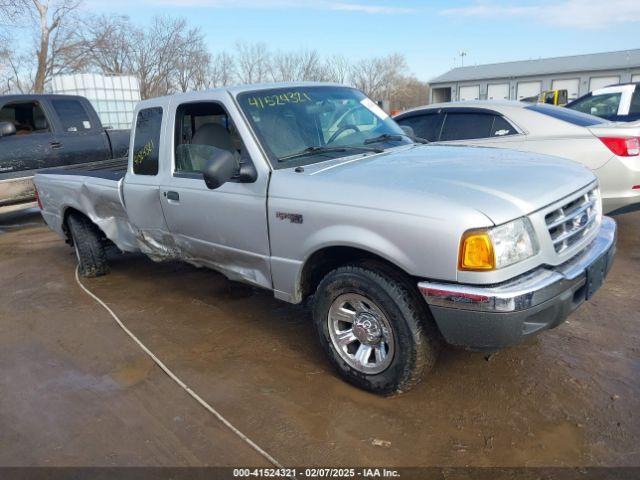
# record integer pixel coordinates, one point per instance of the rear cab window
(566, 114)
(73, 116)
(146, 143)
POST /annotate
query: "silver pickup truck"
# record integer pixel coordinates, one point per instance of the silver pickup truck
(312, 191)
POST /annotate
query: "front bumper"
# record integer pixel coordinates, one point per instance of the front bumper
(496, 316)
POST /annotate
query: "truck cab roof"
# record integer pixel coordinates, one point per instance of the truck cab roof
(232, 90)
(38, 96)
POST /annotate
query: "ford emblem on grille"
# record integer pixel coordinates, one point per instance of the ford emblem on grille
(581, 221)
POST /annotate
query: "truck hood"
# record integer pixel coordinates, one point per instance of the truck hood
(501, 184)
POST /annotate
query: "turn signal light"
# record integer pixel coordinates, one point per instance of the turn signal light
(622, 147)
(476, 252)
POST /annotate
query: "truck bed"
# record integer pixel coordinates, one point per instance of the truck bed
(107, 169)
(93, 190)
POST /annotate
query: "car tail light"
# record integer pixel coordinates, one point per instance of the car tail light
(623, 147)
(38, 199)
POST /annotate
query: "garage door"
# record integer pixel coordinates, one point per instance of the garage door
(571, 85)
(498, 91)
(528, 89)
(635, 78)
(600, 82)
(470, 93)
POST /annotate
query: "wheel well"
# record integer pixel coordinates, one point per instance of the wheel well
(65, 224)
(330, 258)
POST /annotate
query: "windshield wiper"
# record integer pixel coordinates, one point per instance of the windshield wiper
(386, 137)
(317, 149)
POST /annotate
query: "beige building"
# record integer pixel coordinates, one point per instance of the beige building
(578, 74)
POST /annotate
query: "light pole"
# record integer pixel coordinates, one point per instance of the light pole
(462, 55)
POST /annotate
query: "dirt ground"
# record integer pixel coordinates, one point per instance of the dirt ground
(75, 391)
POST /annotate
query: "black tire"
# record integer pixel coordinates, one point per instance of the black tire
(416, 340)
(89, 246)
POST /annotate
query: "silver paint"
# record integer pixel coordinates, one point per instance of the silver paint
(409, 205)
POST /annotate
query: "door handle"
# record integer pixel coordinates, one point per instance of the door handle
(56, 145)
(171, 195)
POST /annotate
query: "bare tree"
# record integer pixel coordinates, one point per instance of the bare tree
(10, 10)
(5, 61)
(54, 51)
(170, 56)
(54, 21)
(409, 93)
(252, 62)
(310, 66)
(336, 69)
(13, 76)
(167, 56)
(222, 70)
(283, 67)
(192, 70)
(378, 77)
(106, 43)
(157, 53)
(296, 66)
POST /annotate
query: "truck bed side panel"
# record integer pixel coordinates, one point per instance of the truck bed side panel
(97, 198)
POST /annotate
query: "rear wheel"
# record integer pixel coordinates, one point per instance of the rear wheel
(374, 328)
(89, 246)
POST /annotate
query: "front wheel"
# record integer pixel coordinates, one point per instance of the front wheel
(374, 329)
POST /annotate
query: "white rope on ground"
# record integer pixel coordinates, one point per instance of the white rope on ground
(173, 377)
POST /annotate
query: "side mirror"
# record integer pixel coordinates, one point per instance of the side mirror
(220, 168)
(7, 129)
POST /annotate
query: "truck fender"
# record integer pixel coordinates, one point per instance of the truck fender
(353, 237)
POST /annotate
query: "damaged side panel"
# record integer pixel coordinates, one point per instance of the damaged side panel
(101, 200)
(235, 264)
(134, 222)
(97, 198)
(145, 214)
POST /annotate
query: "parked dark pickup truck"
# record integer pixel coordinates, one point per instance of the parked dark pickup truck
(51, 131)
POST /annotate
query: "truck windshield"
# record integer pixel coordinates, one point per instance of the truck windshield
(304, 125)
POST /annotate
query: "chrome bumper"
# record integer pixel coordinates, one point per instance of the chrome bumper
(529, 290)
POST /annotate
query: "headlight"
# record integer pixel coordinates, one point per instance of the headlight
(498, 247)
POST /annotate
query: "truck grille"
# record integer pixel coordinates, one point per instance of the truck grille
(573, 221)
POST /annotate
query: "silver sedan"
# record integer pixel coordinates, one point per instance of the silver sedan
(610, 150)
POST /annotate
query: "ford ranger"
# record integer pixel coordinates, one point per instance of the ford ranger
(314, 192)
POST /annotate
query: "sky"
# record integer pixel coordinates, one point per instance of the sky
(429, 33)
